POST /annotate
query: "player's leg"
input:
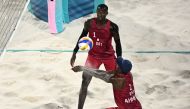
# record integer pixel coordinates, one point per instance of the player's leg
(92, 63)
(83, 91)
(110, 64)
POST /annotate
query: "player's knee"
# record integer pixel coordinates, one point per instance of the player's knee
(85, 82)
(86, 77)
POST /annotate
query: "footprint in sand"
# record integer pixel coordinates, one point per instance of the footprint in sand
(66, 100)
(178, 83)
(52, 106)
(22, 69)
(160, 92)
(90, 94)
(32, 99)
(49, 76)
(161, 76)
(156, 88)
(185, 74)
(10, 94)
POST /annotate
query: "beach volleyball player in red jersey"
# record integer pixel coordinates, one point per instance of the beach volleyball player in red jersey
(122, 81)
(101, 31)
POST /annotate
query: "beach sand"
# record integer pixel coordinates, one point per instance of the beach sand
(44, 80)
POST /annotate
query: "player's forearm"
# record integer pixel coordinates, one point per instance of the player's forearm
(84, 33)
(97, 73)
(118, 48)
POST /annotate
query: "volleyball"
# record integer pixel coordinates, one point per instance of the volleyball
(85, 43)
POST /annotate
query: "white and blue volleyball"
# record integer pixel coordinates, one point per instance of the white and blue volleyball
(85, 43)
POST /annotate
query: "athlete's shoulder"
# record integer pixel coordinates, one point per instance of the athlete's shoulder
(87, 23)
(113, 26)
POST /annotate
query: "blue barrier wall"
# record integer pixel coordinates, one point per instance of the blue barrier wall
(72, 9)
(39, 8)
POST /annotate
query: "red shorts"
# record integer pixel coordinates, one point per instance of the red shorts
(109, 64)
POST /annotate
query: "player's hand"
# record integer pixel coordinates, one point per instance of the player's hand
(72, 61)
(77, 68)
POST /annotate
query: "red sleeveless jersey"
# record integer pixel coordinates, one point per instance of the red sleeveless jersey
(125, 98)
(102, 40)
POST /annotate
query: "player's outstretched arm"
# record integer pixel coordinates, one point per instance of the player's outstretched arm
(115, 34)
(84, 33)
(103, 75)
